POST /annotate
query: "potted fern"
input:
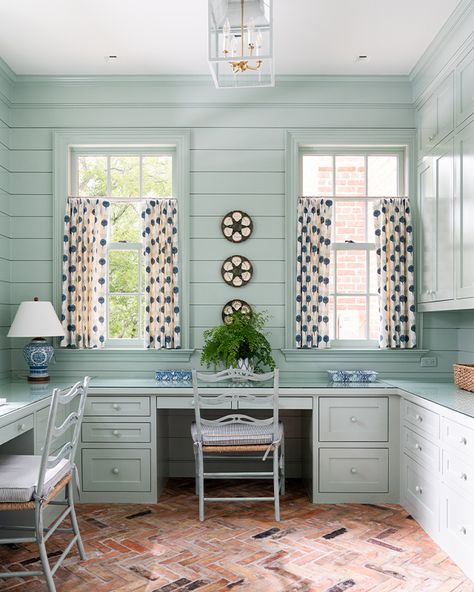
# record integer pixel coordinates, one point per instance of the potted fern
(239, 344)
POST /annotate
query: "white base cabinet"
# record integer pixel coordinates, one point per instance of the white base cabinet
(437, 477)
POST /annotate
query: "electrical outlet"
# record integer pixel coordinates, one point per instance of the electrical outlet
(429, 362)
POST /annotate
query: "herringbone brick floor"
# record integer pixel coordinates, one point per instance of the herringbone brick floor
(164, 548)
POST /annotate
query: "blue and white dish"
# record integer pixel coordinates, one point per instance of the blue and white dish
(352, 375)
(174, 376)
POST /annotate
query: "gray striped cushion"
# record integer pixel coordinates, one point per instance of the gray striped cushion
(235, 434)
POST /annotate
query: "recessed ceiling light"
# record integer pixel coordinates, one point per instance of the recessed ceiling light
(111, 58)
(362, 58)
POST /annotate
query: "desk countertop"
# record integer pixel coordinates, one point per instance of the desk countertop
(20, 394)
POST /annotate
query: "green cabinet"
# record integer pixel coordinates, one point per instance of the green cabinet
(436, 225)
(436, 116)
(465, 213)
(124, 470)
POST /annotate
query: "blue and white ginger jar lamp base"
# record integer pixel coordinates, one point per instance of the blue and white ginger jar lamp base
(38, 354)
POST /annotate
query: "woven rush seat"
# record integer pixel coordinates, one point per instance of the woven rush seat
(236, 434)
(19, 477)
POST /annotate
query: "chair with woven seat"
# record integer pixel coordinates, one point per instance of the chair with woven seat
(33, 482)
(237, 435)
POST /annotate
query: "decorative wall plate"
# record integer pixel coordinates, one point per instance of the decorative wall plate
(234, 306)
(236, 271)
(237, 226)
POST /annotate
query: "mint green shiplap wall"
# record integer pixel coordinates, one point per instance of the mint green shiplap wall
(237, 160)
(5, 93)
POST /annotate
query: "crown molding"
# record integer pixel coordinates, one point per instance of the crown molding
(459, 14)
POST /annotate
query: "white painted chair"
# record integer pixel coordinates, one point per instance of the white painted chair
(237, 435)
(33, 482)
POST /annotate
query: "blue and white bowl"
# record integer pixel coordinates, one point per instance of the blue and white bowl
(174, 376)
(352, 375)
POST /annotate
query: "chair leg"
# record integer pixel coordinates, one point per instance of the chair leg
(276, 482)
(42, 547)
(196, 471)
(201, 484)
(282, 467)
(74, 523)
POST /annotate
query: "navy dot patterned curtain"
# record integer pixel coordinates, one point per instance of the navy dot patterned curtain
(160, 236)
(396, 273)
(84, 272)
(314, 221)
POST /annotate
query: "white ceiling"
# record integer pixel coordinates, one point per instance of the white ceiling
(71, 37)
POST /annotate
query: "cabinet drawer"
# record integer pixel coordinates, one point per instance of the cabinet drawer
(420, 448)
(421, 418)
(117, 406)
(354, 470)
(115, 470)
(185, 403)
(283, 403)
(353, 419)
(420, 490)
(458, 473)
(457, 437)
(119, 433)
(457, 528)
(16, 428)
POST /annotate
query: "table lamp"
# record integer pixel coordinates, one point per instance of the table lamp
(33, 318)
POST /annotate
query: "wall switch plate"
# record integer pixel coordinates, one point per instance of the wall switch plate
(429, 362)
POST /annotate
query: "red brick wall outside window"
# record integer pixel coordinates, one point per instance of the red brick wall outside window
(352, 180)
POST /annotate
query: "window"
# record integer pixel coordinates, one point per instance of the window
(353, 178)
(125, 177)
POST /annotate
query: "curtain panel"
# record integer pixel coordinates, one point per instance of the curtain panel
(396, 274)
(84, 272)
(162, 309)
(314, 221)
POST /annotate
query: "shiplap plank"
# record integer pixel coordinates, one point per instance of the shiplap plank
(31, 138)
(31, 205)
(237, 182)
(4, 157)
(31, 161)
(261, 294)
(218, 249)
(25, 272)
(237, 139)
(263, 227)
(31, 227)
(28, 291)
(238, 160)
(440, 339)
(37, 249)
(209, 315)
(263, 271)
(4, 180)
(255, 205)
(31, 183)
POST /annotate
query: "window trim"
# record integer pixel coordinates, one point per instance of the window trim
(331, 140)
(121, 141)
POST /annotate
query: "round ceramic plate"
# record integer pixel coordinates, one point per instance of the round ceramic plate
(237, 271)
(234, 306)
(237, 226)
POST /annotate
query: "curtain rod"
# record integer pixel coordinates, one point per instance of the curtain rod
(121, 199)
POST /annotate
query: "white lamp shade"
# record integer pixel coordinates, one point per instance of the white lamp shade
(36, 318)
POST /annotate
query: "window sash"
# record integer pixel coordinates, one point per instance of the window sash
(366, 246)
(107, 153)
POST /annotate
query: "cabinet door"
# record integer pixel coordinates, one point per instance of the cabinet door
(464, 207)
(444, 261)
(445, 107)
(427, 232)
(427, 124)
(465, 87)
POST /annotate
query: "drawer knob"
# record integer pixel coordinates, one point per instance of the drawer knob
(21, 427)
(418, 417)
(353, 419)
(463, 441)
(462, 530)
(431, 138)
(116, 406)
(418, 446)
(463, 476)
(116, 433)
(353, 470)
(419, 489)
(115, 471)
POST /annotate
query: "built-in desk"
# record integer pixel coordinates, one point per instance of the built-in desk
(394, 441)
